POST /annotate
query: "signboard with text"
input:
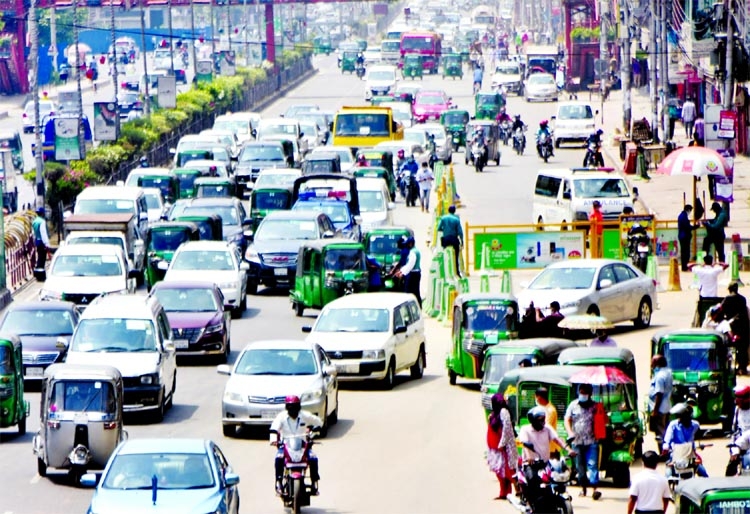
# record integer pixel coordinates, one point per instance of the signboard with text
(67, 140)
(105, 121)
(529, 250)
(727, 124)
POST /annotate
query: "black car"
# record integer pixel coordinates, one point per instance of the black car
(180, 76)
(234, 218)
(131, 83)
(127, 102)
(272, 254)
(40, 325)
(256, 156)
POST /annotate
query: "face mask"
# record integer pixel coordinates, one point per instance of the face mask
(657, 369)
(583, 397)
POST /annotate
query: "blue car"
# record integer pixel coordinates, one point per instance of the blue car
(190, 476)
(337, 209)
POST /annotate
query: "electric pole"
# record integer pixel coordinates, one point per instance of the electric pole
(114, 70)
(34, 79)
(653, 63)
(729, 80)
(147, 79)
(603, 53)
(625, 66)
(171, 44)
(664, 66)
(193, 39)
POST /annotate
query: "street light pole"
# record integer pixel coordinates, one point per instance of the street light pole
(114, 70)
(171, 45)
(625, 67)
(78, 72)
(653, 62)
(193, 39)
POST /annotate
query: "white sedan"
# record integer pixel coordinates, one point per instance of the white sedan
(540, 86)
(213, 261)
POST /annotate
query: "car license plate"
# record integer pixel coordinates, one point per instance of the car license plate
(268, 414)
(348, 368)
(34, 372)
(181, 344)
(279, 272)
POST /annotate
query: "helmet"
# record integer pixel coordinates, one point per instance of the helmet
(543, 123)
(293, 405)
(292, 399)
(536, 413)
(742, 391)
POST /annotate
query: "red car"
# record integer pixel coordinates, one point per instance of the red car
(430, 105)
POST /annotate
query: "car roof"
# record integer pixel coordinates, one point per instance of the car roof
(468, 297)
(163, 445)
(567, 172)
(110, 192)
(281, 171)
(370, 184)
(584, 263)
(42, 305)
(370, 300)
(184, 284)
(122, 306)
(89, 249)
(280, 344)
(695, 488)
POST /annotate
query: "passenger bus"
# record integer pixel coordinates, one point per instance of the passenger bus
(426, 44)
(483, 15)
(364, 127)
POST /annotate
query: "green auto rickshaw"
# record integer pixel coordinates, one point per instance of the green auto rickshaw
(13, 407)
(267, 199)
(222, 187)
(453, 66)
(377, 172)
(455, 121)
(162, 240)
(480, 320)
(209, 226)
(375, 157)
(703, 369)
(487, 105)
(714, 495)
(328, 269)
(412, 67)
(167, 183)
(348, 61)
(322, 45)
(381, 244)
(187, 178)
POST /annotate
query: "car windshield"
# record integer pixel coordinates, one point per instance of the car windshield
(271, 200)
(337, 211)
(541, 79)
(104, 206)
(365, 124)
(275, 230)
(262, 153)
(82, 396)
(279, 129)
(275, 179)
(371, 201)
(86, 266)
(564, 278)
(194, 299)
(456, 118)
(507, 70)
(236, 126)
(276, 362)
(187, 180)
(575, 112)
(430, 100)
(383, 244)
(687, 356)
(353, 320)
(490, 316)
(437, 132)
(415, 136)
(215, 260)
(341, 259)
(38, 323)
(600, 188)
(96, 240)
(382, 76)
(168, 240)
(309, 128)
(153, 201)
(172, 471)
(114, 335)
(227, 213)
(488, 99)
(498, 364)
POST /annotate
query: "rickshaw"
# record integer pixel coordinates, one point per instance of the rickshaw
(480, 320)
(185, 156)
(13, 407)
(209, 226)
(452, 66)
(328, 269)
(322, 45)
(268, 199)
(322, 162)
(375, 157)
(412, 67)
(703, 369)
(455, 122)
(714, 495)
(167, 183)
(215, 187)
(348, 61)
(81, 418)
(491, 139)
(377, 172)
(162, 240)
(187, 178)
(12, 141)
(381, 243)
(487, 105)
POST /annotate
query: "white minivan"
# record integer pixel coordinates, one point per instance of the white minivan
(375, 206)
(372, 336)
(114, 200)
(565, 195)
(573, 122)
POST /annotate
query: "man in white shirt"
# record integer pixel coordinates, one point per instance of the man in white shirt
(649, 492)
(411, 271)
(708, 276)
(537, 436)
(425, 178)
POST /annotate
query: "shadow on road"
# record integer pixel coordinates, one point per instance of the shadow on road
(179, 412)
(402, 382)
(11, 437)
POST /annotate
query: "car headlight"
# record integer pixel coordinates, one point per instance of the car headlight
(231, 396)
(252, 256)
(373, 354)
(46, 294)
(311, 396)
(150, 379)
(212, 329)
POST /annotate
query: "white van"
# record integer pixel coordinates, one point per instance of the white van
(574, 122)
(114, 200)
(565, 195)
(282, 128)
(375, 206)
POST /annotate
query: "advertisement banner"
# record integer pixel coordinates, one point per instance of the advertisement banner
(204, 70)
(724, 186)
(528, 250)
(67, 141)
(727, 124)
(105, 121)
(166, 87)
(668, 246)
(227, 63)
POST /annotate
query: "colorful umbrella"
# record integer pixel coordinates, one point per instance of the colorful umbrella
(695, 161)
(585, 322)
(600, 375)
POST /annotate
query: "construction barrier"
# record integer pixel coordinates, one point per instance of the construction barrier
(20, 249)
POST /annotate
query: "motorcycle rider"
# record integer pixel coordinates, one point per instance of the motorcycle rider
(740, 429)
(478, 76)
(519, 125)
(544, 130)
(682, 430)
(400, 158)
(410, 167)
(293, 421)
(595, 138)
(503, 116)
(537, 436)
(478, 137)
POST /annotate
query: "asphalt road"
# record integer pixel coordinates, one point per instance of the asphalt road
(416, 449)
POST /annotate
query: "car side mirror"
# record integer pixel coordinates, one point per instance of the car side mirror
(88, 480)
(231, 479)
(605, 283)
(223, 369)
(401, 329)
(566, 195)
(329, 370)
(244, 266)
(61, 343)
(306, 329)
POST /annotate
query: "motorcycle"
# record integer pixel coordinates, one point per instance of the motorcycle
(505, 131)
(519, 141)
(295, 491)
(410, 188)
(593, 155)
(456, 140)
(543, 486)
(639, 247)
(360, 70)
(683, 463)
(432, 148)
(478, 152)
(544, 146)
(739, 461)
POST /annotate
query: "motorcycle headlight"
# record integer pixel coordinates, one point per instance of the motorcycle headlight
(46, 294)
(311, 396)
(252, 256)
(150, 379)
(373, 354)
(212, 329)
(231, 396)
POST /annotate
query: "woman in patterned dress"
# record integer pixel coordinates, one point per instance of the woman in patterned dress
(502, 456)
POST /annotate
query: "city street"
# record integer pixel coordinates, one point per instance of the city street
(416, 449)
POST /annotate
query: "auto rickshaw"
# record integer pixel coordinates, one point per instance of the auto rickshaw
(186, 156)
(81, 418)
(375, 157)
(162, 240)
(328, 269)
(322, 45)
(491, 139)
(13, 407)
(215, 187)
(187, 178)
(268, 199)
(455, 122)
(167, 183)
(377, 172)
(209, 226)
(412, 67)
(348, 61)
(487, 105)
(703, 368)
(452, 66)
(479, 321)
(714, 495)
(12, 140)
(381, 243)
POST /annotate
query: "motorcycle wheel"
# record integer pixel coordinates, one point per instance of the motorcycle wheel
(546, 157)
(297, 487)
(565, 507)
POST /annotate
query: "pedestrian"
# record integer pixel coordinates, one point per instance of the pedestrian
(411, 271)
(541, 397)
(425, 178)
(548, 325)
(673, 111)
(451, 234)
(596, 219)
(649, 492)
(734, 309)
(688, 117)
(708, 276)
(579, 424)
(659, 396)
(502, 455)
(636, 68)
(602, 339)
(699, 131)
(715, 231)
(685, 235)
(41, 239)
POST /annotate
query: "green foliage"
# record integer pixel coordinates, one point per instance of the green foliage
(64, 20)
(104, 159)
(64, 184)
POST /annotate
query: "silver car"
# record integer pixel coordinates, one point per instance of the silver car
(540, 86)
(610, 288)
(443, 143)
(266, 372)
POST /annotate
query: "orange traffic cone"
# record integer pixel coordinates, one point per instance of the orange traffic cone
(674, 275)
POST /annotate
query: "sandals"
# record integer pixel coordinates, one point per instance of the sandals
(596, 495)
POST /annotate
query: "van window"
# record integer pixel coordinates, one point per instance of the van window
(547, 186)
(575, 112)
(600, 188)
(414, 310)
(398, 320)
(403, 309)
(566, 190)
(165, 332)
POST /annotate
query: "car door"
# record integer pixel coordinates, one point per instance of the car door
(168, 352)
(609, 298)
(398, 341)
(416, 331)
(231, 494)
(330, 381)
(316, 284)
(630, 292)
(404, 344)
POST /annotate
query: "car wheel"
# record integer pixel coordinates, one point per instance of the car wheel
(644, 314)
(390, 376)
(229, 430)
(41, 467)
(334, 417)
(252, 286)
(158, 415)
(593, 310)
(417, 369)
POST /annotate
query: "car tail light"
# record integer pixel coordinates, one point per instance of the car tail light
(653, 281)
(110, 425)
(24, 115)
(124, 85)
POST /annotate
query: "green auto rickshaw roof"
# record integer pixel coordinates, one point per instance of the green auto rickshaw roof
(483, 297)
(214, 181)
(327, 244)
(11, 339)
(587, 355)
(550, 374)
(65, 371)
(696, 489)
(186, 171)
(171, 225)
(689, 335)
(389, 229)
(546, 345)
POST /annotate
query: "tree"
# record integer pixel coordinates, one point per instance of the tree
(64, 25)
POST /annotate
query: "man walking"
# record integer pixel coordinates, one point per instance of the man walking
(579, 424)
(688, 117)
(412, 271)
(425, 178)
(41, 239)
(452, 233)
(734, 308)
(649, 492)
(659, 396)
(596, 218)
(685, 235)
(715, 231)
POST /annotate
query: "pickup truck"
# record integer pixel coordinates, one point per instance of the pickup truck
(117, 229)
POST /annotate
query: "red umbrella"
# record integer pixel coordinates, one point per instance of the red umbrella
(600, 375)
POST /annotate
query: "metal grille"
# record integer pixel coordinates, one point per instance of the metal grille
(275, 400)
(130, 382)
(280, 260)
(191, 334)
(40, 358)
(345, 355)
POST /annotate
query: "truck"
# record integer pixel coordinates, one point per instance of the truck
(8, 180)
(365, 126)
(541, 56)
(114, 229)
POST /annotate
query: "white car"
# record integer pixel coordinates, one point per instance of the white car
(540, 86)
(155, 204)
(443, 143)
(574, 121)
(213, 261)
(508, 75)
(375, 205)
(46, 108)
(380, 80)
(312, 133)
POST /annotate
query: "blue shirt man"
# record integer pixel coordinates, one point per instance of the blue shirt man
(682, 431)
(478, 75)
